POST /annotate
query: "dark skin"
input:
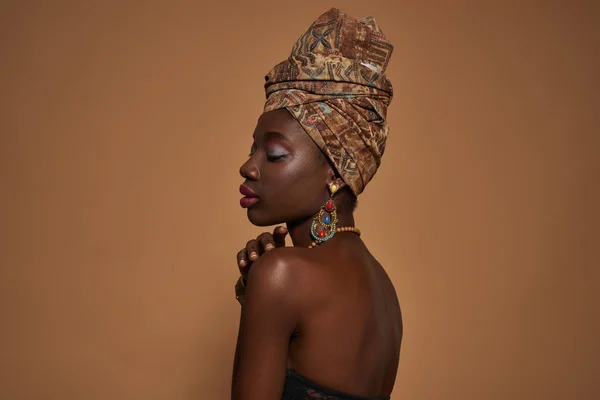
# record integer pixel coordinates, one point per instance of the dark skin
(330, 313)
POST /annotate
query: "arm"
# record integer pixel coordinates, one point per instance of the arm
(269, 316)
(236, 357)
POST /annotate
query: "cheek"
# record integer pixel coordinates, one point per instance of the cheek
(301, 183)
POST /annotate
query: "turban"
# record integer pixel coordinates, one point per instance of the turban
(334, 84)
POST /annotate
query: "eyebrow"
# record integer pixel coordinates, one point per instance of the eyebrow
(278, 135)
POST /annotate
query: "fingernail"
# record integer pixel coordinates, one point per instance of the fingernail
(253, 255)
(242, 263)
(269, 246)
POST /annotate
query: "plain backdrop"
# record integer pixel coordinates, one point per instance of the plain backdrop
(122, 128)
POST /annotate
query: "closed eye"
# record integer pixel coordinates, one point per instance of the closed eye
(275, 157)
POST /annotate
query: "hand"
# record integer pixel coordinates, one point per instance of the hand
(257, 247)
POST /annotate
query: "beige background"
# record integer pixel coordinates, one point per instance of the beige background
(123, 125)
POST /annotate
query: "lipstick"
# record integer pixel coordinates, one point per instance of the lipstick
(249, 197)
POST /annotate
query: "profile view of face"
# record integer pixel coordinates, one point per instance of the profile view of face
(286, 173)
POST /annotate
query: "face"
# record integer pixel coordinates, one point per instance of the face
(286, 172)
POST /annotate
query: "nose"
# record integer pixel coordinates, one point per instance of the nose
(249, 170)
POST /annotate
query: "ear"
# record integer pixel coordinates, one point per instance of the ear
(340, 183)
(337, 181)
(334, 176)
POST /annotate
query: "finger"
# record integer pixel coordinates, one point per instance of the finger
(252, 249)
(279, 234)
(266, 241)
(242, 258)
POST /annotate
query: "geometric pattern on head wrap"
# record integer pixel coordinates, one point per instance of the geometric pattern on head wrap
(334, 84)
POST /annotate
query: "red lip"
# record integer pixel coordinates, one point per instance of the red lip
(247, 192)
(249, 197)
(246, 202)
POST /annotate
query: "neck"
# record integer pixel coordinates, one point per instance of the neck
(300, 230)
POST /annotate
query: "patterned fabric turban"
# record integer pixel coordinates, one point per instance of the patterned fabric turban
(334, 84)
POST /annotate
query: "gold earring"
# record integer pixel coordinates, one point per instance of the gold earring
(332, 188)
(324, 225)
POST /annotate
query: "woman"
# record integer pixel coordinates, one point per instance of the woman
(320, 319)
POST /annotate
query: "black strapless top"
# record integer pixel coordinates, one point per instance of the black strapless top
(299, 388)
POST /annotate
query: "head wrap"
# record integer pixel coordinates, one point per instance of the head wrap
(334, 84)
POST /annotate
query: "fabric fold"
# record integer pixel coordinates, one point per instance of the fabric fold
(334, 84)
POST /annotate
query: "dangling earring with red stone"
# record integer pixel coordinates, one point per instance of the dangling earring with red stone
(325, 224)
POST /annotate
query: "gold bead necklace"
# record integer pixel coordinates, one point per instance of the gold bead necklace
(338, 230)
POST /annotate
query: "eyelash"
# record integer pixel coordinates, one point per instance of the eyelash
(275, 158)
(270, 158)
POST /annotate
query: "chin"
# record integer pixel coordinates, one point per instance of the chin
(258, 218)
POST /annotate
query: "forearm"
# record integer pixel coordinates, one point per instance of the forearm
(237, 356)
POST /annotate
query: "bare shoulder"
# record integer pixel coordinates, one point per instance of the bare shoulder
(280, 265)
(282, 273)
